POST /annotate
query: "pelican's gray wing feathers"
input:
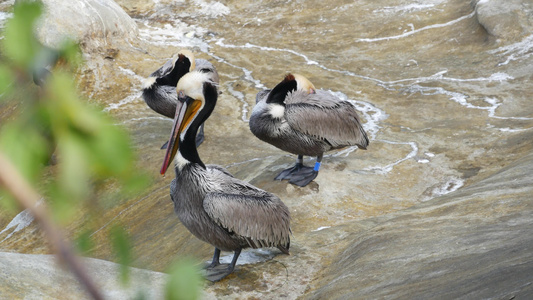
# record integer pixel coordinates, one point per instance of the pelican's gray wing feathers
(325, 116)
(259, 217)
(167, 67)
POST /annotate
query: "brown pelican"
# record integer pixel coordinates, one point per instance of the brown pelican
(216, 207)
(159, 90)
(297, 118)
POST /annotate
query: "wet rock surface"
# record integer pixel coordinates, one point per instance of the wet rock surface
(507, 20)
(470, 244)
(27, 276)
(437, 207)
(95, 24)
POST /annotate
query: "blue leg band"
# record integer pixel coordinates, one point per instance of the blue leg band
(317, 166)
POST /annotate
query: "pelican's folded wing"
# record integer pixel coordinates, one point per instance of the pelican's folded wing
(324, 116)
(259, 217)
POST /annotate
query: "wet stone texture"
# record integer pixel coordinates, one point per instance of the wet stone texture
(439, 206)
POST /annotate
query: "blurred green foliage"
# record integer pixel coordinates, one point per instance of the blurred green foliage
(50, 122)
(122, 246)
(184, 282)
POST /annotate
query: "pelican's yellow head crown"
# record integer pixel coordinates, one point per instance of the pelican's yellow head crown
(189, 55)
(304, 84)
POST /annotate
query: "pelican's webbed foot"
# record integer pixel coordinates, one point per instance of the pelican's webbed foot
(301, 175)
(304, 177)
(294, 171)
(216, 271)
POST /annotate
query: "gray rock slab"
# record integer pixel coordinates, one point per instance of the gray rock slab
(505, 19)
(444, 89)
(92, 23)
(472, 244)
(26, 276)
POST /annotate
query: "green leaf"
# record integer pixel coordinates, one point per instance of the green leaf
(84, 242)
(74, 168)
(121, 247)
(184, 281)
(7, 202)
(66, 109)
(113, 149)
(62, 205)
(90, 149)
(27, 149)
(19, 43)
(136, 182)
(6, 81)
(70, 50)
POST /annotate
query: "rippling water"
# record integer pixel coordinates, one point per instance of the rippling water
(443, 103)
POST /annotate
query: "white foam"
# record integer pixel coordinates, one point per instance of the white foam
(387, 168)
(494, 105)
(507, 129)
(240, 97)
(148, 118)
(221, 43)
(125, 101)
(450, 185)
(4, 16)
(321, 228)
(517, 51)
(178, 34)
(250, 256)
(406, 34)
(133, 74)
(462, 98)
(404, 8)
(247, 73)
(21, 221)
(439, 76)
(213, 9)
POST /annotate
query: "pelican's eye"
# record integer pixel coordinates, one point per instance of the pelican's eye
(181, 96)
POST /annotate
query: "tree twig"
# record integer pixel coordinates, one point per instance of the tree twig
(27, 198)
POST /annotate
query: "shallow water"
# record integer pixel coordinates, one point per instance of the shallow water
(444, 104)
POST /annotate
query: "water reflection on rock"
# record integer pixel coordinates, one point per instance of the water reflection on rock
(444, 97)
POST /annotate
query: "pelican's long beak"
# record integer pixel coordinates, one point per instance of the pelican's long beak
(186, 110)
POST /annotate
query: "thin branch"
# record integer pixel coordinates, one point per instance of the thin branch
(27, 198)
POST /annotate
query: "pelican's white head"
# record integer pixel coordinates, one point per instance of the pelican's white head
(304, 84)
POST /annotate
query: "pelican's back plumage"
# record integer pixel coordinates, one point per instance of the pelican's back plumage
(297, 118)
(324, 116)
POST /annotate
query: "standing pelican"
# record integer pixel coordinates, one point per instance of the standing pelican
(159, 90)
(297, 118)
(216, 207)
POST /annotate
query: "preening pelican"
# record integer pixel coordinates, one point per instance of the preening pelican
(297, 118)
(216, 207)
(159, 90)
